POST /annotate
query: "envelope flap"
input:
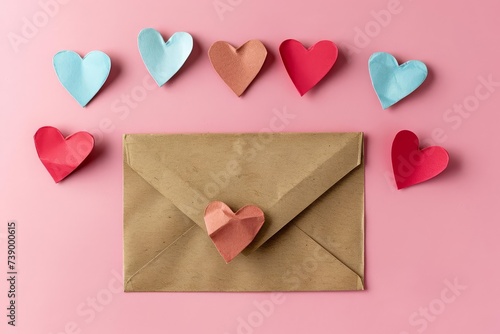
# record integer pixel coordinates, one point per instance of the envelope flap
(282, 173)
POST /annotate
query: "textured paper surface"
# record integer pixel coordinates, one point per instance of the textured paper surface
(310, 186)
(238, 67)
(306, 67)
(61, 156)
(413, 165)
(231, 232)
(82, 78)
(393, 82)
(164, 59)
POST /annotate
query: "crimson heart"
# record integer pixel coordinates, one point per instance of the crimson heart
(306, 67)
(61, 156)
(232, 232)
(412, 165)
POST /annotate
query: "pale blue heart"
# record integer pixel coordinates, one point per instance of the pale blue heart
(82, 78)
(162, 59)
(393, 82)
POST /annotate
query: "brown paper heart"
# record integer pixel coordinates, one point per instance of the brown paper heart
(238, 67)
(232, 231)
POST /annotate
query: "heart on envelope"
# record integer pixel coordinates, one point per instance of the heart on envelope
(310, 186)
(238, 67)
(164, 59)
(306, 67)
(393, 82)
(61, 156)
(231, 232)
(82, 78)
(411, 165)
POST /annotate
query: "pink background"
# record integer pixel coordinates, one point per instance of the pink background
(70, 234)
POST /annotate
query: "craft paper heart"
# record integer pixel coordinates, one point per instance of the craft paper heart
(238, 67)
(306, 67)
(232, 232)
(393, 82)
(412, 165)
(61, 156)
(162, 59)
(82, 78)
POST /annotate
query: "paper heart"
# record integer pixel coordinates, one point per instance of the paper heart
(306, 67)
(82, 78)
(393, 82)
(238, 67)
(412, 165)
(61, 156)
(232, 232)
(164, 59)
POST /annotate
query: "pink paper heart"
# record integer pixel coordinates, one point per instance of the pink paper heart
(232, 232)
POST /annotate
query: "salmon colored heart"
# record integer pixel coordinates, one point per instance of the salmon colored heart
(238, 67)
(306, 67)
(412, 165)
(61, 156)
(232, 232)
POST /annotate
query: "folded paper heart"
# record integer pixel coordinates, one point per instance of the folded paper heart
(412, 165)
(232, 232)
(61, 156)
(82, 78)
(393, 82)
(306, 67)
(164, 59)
(238, 67)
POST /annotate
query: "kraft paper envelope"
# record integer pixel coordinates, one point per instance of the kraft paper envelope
(309, 185)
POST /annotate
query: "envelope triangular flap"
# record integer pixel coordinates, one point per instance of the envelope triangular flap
(282, 173)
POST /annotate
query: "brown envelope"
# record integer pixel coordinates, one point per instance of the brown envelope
(309, 185)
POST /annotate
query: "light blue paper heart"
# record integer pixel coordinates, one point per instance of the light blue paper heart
(393, 82)
(82, 78)
(162, 59)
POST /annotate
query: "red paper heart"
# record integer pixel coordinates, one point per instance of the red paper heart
(61, 156)
(232, 232)
(306, 67)
(412, 165)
